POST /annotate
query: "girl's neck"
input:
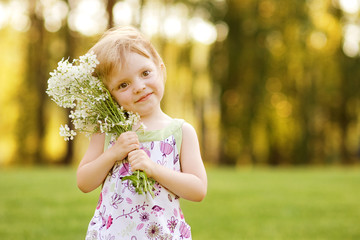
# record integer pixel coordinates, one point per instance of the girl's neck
(155, 121)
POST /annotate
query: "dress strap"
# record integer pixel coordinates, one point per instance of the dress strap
(177, 132)
(174, 128)
(157, 135)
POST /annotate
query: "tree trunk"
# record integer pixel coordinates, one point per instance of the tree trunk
(109, 9)
(31, 123)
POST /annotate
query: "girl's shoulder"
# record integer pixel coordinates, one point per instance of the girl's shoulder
(188, 131)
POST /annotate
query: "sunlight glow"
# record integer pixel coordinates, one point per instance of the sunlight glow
(54, 14)
(19, 19)
(88, 17)
(351, 40)
(172, 26)
(3, 15)
(175, 23)
(123, 13)
(150, 24)
(202, 31)
(350, 6)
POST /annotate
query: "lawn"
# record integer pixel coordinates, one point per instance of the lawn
(321, 203)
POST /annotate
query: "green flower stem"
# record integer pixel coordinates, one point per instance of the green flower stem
(141, 182)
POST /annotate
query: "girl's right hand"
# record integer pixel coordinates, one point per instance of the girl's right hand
(126, 142)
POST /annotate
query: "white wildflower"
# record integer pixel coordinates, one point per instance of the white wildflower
(67, 133)
(72, 85)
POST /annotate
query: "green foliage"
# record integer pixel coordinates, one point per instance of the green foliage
(286, 93)
(280, 86)
(44, 203)
(141, 182)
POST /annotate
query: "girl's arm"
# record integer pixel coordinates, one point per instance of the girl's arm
(96, 163)
(191, 183)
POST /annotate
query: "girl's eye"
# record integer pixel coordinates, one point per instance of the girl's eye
(146, 73)
(123, 85)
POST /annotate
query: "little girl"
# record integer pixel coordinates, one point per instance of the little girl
(168, 150)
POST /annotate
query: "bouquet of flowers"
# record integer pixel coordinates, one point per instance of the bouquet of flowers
(73, 85)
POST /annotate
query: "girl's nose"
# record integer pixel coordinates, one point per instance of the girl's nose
(139, 86)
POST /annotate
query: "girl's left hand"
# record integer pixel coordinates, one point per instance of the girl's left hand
(139, 160)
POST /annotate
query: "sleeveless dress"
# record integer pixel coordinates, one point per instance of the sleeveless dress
(121, 213)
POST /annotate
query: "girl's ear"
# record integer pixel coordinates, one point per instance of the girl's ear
(163, 70)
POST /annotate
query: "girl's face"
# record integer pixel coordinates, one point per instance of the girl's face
(138, 86)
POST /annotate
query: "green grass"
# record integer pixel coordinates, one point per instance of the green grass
(44, 203)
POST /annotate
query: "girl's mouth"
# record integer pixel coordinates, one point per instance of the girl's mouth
(144, 98)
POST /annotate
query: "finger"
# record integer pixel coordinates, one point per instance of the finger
(133, 153)
(134, 167)
(132, 139)
(135, 146)
(131, 156)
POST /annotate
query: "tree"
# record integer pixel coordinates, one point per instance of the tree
(31, 96)
(287, 90)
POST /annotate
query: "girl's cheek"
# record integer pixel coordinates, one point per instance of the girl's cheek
(119, 98)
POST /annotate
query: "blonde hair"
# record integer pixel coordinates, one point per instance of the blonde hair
(114, 46)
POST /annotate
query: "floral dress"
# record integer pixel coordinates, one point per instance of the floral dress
(122, 213)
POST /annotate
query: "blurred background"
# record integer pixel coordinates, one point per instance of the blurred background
(264, 82)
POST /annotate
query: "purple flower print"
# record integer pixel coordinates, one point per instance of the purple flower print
(100, 201)
(102, 216)
(166, 148)
(152, 145)
(92, 235)
(176, 158)
(184, 230)
(114, 171)
(181, 214)
(116, 199)
(157, 190)
(130, 213)
(110, 237)
(128, 200)
(105, 190)
(140, 226)
(146, 150)
(125, 169)
(166, 236)
(172, 224)
(144, 217)
(109, 222)
(157, 210)
(153, 230)
(128, 186)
